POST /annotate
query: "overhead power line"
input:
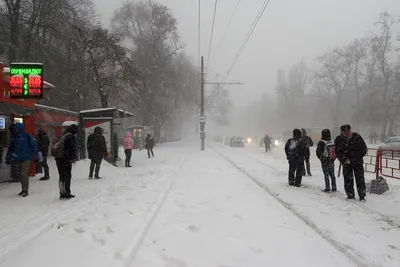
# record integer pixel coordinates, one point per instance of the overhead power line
(212, 32)
(229, 25)
(246, 39)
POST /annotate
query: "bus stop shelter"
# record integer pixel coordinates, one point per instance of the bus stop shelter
(107, 119)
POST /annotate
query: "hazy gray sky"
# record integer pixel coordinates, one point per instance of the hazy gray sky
(288, 31)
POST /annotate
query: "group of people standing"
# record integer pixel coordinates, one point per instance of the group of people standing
(349, 148)
(23, 148)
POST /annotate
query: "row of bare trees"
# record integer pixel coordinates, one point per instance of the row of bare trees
(138, 64)
(358, 82)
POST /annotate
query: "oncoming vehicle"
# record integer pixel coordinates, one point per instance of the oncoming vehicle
(237, 141)
(248, 140)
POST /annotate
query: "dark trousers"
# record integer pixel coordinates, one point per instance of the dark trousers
(328, 168)
(295, 171)
(128, 155)
(150, 150)
(306, 166)
(356, 168)
(267, 148)
(64, 167)
(95, 163)
(45, 166)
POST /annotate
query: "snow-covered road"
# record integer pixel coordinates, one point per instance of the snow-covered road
(221, 207)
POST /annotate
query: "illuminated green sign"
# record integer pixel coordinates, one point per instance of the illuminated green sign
(26, 80)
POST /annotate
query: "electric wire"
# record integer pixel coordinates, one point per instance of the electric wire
(212, 32)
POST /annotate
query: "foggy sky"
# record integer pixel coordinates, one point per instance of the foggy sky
(288, 31)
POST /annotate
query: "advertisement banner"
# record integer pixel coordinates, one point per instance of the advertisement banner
(105, 125)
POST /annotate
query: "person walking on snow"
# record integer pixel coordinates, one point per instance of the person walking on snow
(128, 146)
(326, 154)
(267, 143)
(309, 143)
(350, 150)
(149, 145)
(97, 148)
(295, 150)
(115, 149)
(21, 149)
(43, 147)
(64, 151)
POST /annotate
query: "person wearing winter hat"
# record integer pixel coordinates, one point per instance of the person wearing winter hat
(326, 154)
(295, 150)
(308, 143)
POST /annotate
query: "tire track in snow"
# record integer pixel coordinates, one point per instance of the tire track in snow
(355, 257)
(135, 246)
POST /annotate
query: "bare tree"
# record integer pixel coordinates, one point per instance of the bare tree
(336, 75)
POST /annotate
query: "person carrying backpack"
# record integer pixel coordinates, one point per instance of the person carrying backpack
(308, 143)
(326, 154)
(97, 148)
(43, 147)
(295, 149)
(20, 151)
(64, 151)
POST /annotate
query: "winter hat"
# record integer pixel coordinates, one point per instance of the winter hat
(326, 135)
(296, 134)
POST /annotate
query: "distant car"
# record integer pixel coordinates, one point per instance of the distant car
(218, 139)
(393, 145)
(237, 141)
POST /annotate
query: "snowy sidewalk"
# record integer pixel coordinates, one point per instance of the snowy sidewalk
(94, 228)
(370, 231)
(216, 216)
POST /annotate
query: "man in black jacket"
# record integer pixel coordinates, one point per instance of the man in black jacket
(308, 143)
(295, 149)
(64, 163)
(43, 147)
(149, 145)
(350, 150)
(97, 148)
(326, 154)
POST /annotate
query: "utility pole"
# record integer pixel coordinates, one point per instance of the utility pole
(202, 117)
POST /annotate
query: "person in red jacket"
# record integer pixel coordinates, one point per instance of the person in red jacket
(350, 150)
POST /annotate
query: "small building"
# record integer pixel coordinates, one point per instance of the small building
(109, 119)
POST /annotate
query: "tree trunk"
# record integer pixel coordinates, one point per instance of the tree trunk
(14, 45)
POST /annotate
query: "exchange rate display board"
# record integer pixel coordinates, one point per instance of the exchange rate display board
(26, 80)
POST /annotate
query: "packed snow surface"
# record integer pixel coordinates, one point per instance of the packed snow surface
(220, 207)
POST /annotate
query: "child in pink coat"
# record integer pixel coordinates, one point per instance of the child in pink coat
(128, 146)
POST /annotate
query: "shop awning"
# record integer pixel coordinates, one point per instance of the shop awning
(16, 109)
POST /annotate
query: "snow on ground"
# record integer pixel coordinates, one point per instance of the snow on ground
(190, 208)
(90, 230)
(370, 231)
(216, 216)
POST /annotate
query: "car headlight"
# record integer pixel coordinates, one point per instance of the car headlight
(276, 142)
(249, 140)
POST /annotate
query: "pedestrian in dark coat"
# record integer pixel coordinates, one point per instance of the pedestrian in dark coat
(149, 145)
(326, 154)
(267, 143)
(43, 147)
(350, 150)
(308, 143)
(64, 161)
(295, 149)
(97, 148)
(21, 150)
(115, 148)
